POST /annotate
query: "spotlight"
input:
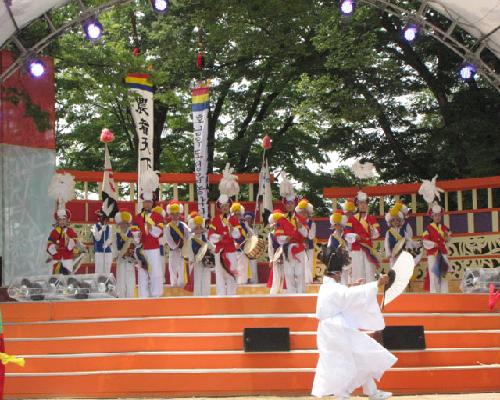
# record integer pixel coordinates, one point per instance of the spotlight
(35, 67)
(160, 6)
(410, 32)
(347, 7)
(467, 71)
(93, 29)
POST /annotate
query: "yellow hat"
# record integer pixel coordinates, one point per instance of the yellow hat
(303, 204)
(237, 208)
(123, 217)
(338, 217)
(349, 206)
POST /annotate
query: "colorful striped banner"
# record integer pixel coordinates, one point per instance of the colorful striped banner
(200, 98)
(139, 81)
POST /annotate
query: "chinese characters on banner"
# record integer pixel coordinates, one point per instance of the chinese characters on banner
(141, 88)
(200, 96)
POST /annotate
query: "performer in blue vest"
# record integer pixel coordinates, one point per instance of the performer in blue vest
(126, 259)
(399, 233)
(202, 270)
(102, 236)
(176, 235)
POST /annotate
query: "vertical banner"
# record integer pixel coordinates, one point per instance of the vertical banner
(200, 96)
(141, 88)
(108, 193)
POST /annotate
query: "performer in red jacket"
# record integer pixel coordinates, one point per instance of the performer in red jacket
(434, 240)
(150, 226)
(62, 240)
(365, 227)
(226, 256)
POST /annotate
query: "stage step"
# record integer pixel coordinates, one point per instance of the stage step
(232, 381)
(194, 347)
(234, 323)
(215, 341)
(63, 363)
(187, 306)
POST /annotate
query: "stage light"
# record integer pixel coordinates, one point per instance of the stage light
(35, 67)
(347, 6)
(160, 6)
(467, 71)
(410, 32)
(93, 29)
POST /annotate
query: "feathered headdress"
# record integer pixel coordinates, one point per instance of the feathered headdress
(363, 170)
(150, 181)
(286, 189)
(228, 186)
(62, 190)
(430, 191)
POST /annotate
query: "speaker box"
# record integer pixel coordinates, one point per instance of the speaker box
(404, 337)
(266, 339)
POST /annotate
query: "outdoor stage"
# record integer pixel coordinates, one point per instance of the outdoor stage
(186, 346)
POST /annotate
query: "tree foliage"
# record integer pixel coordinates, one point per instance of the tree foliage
(296, 70)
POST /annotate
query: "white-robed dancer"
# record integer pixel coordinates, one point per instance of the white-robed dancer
(306, 210)
(349, 358)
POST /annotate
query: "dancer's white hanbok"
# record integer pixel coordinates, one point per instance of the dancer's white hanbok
(348, 357)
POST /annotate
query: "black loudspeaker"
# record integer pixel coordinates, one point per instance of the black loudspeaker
(266, 339)
(404, 337)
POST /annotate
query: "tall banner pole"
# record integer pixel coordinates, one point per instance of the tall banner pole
(200, 98)
(141, 88)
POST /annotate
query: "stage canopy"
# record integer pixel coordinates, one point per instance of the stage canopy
(481, 18)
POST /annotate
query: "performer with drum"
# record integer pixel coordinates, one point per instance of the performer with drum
(291, 232)
(338, 240)
(365, 226)
(226, 257)
(200, 256)
(249, 218)
(176, 236)
(126, 261)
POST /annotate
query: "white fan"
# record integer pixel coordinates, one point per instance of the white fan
(403, 269)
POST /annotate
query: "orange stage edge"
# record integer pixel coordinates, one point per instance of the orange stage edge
(187, 346)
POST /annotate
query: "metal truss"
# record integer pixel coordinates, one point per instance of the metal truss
(54, 33)
(469, 52)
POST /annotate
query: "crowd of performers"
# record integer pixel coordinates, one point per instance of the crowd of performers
(197, 247)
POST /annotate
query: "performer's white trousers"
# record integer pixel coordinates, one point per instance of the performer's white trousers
(255, 271)
(346, 276)
(151, 284)
(201, 277)
(294, 273)
(243, 263)
(309, 265)
(278, 277)
(362, 268)
(125, 278)
(176, 268)
(225, 282)
(435, 285)
(103, 263)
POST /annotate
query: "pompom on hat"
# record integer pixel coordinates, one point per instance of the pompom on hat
(338, 217)
(237, 208)
(196, 221)
(349, 205)
(275, 216)
(361, 196)
(435, 209)
(395, 212)
(304, 205)
(175, 207)
(123, 217)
